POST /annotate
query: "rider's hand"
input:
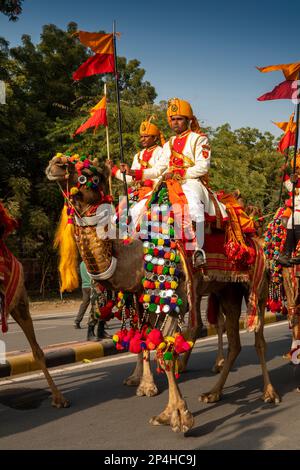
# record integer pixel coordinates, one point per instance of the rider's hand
(124, 168)
(109, 164)
(294, 177)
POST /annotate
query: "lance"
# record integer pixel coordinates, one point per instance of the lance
(119, 116)
(295, 156)
(107, 140)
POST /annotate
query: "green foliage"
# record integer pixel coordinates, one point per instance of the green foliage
(247, 160)
(11, 8)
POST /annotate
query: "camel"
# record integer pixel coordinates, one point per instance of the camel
(14, 302)
(127, 276)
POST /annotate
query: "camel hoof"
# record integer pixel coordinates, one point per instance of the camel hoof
(210, 397)
(60, 402)
(148, 390)
(157, 421)
(270, 395)
(132, 381)
(180, 420)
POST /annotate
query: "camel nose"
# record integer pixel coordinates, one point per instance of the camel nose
(60, 160)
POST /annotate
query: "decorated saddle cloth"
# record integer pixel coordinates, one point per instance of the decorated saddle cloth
(10, 280)
(219, 268)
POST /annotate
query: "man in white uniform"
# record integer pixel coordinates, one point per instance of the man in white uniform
(186, 159)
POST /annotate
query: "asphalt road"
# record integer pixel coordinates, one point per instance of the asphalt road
(107, 415)
(55, 328)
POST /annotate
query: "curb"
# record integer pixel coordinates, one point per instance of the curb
(68, 353)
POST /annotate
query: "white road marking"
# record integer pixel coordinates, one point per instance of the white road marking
(103, 360)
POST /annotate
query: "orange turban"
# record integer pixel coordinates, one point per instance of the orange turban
(177, 107)
(148, 128)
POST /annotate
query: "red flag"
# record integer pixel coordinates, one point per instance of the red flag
(98, 117)
(98, 63)
(285, 90)
(287, 140)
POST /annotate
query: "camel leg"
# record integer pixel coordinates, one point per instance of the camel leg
(147, 386)
(176, 413)
(135, 378)
(269, 395)
(231, 300)
(192, 333)
(22, 316)
(219, 362)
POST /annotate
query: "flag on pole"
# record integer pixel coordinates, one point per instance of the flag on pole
(287, 140)
(289, 129)
(286, 90)
(290, 71)
(287, 126)
(98, 117)
(103, 61)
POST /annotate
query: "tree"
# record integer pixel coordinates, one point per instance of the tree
(11, 8)
(44, 107)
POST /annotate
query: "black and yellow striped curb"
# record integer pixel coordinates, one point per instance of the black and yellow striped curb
(21, 363)
(269, 318)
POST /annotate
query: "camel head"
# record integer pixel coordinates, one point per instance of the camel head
(85, 174)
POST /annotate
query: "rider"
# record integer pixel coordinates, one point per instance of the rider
(186, 160)
(293, 236)
(150, 137)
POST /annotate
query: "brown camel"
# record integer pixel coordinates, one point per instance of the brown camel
(14, 302)
(127, 275)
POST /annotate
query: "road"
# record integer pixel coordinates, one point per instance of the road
(56, 328)
(107, 415)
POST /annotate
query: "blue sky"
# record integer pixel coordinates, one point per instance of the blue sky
(205, 52)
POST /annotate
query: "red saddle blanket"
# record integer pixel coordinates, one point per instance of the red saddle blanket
(218, 267)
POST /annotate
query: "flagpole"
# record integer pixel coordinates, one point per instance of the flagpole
(107, 139)
(282, 178)
(119, 116)
(295, 156)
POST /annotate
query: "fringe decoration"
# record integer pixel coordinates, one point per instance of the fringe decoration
(64, 241)
(252, 321)
(235, 247)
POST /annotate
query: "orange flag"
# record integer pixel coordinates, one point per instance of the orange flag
(290, 71)
(288, 139)
(99, 43)
(287, 126)
(98, 117)
(103, 60)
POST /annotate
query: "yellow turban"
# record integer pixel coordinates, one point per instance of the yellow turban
(148, 128)
(177, 107)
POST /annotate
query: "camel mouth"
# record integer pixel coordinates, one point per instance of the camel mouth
(51, 176)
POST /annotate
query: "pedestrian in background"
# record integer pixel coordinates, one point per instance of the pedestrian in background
(86, 295)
